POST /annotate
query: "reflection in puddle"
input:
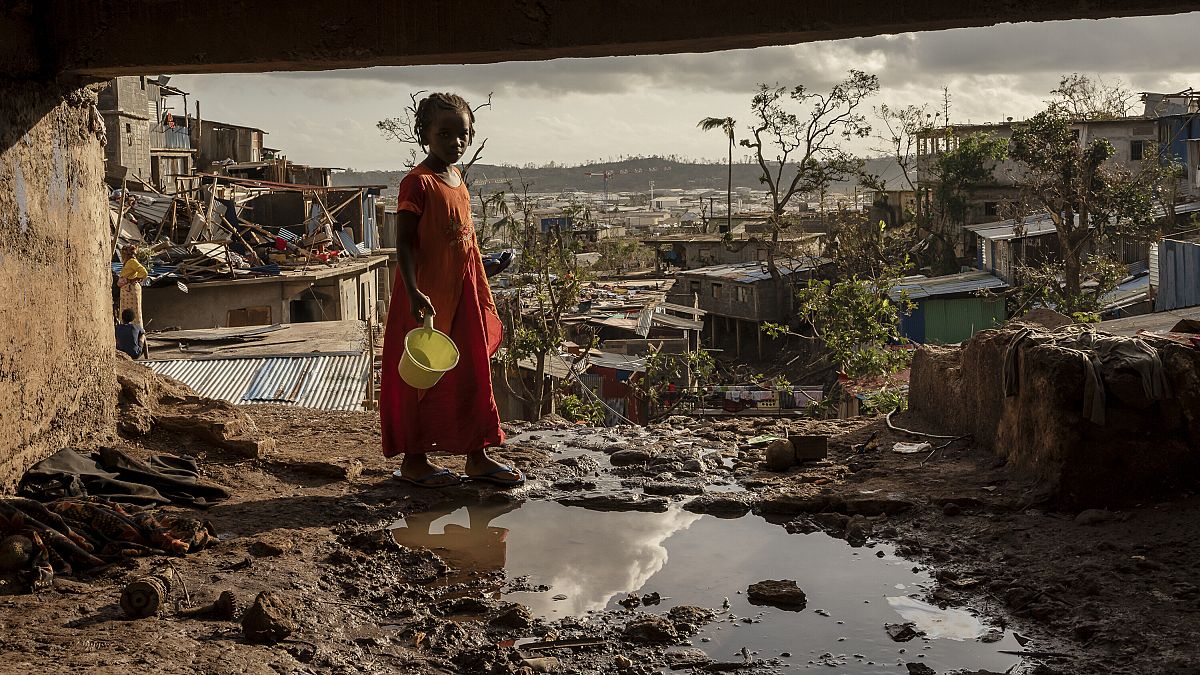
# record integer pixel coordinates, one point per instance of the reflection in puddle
(596, 558)
(951, 624)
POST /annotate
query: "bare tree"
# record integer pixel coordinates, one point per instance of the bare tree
(797, 137)
(402, 129)
(1084, 97)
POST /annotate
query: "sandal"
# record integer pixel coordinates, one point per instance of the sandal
(425, 481)
(493, 477)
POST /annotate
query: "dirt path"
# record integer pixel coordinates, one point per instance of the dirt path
(1114, 591)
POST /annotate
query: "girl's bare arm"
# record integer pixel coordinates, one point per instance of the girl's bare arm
(406, 234)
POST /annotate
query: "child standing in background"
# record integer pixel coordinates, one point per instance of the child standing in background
(442, 274)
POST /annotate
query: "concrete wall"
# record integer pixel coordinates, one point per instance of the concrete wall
(57, 386)
(138, 36)
(208, 306)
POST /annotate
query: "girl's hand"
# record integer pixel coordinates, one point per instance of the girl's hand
(420, 305)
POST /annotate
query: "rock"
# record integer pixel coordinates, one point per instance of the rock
(652, 599)
(690, 614)
(15, 553)
(919, 669)
(670, 489)
(688, 657)
(622, 661)
(269, 620)
(780, 455)
(790, 503)
(901, 632)
(336, 468)
(877, 506)
(858, 530)
(629, 457)
(1093, 517)
(515, 616)
(465, 606)
(541, 664)
(834, 523)
(722, 504)
(784, 594)
(951, 509)
(630, 601)
(651, 629)
(267, 548)
(617, 502)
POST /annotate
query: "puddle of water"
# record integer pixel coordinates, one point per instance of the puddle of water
(950, 624)
(595, 558)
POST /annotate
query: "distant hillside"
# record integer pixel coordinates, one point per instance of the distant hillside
(632, 175)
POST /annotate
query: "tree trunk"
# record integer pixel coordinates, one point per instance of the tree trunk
(729, 191)
(540, 392)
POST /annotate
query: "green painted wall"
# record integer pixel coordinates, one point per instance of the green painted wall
(955, 320)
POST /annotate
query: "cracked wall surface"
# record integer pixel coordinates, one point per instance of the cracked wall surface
(56, 331)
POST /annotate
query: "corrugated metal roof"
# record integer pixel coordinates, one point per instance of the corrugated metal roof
(1041, 224)
(635, 364)
(952, 284)
(1033, 226)
(1127, 293)
(151, 207)
(663, 319)
(750, 272)
(325, 382)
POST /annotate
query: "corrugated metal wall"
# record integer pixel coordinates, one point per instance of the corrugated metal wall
(1178, 275)
(327, 382)
(955, 320)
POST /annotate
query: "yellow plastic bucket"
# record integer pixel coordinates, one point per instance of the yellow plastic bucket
(427, 354)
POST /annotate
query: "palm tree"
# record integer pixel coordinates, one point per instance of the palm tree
(725, 124)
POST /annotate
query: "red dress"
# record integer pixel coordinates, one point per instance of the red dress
(458, 414)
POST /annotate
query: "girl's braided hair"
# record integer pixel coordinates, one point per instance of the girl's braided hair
(428, 107)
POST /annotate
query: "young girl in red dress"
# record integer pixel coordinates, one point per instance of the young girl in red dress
(441, 273)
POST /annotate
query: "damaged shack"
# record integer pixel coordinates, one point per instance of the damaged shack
(238, 252)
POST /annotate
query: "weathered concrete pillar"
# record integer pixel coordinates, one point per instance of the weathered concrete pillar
(56, 332)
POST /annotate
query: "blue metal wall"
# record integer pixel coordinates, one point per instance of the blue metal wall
(1178, 275)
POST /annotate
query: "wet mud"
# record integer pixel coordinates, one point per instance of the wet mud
(633, 550)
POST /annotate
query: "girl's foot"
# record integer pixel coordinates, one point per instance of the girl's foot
(482, 467)
(418, 470)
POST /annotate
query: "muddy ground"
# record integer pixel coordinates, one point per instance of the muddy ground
(1110, 591)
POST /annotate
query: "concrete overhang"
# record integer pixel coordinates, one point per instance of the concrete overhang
(108, 38)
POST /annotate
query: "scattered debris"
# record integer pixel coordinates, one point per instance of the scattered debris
(145, 597)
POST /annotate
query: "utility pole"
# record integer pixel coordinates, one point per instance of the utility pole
(651, 194)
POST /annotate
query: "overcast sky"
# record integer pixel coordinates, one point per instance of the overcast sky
(575, 110)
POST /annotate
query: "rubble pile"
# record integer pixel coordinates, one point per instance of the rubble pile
(211, 232)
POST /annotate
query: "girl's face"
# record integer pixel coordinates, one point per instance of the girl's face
(449, 135)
